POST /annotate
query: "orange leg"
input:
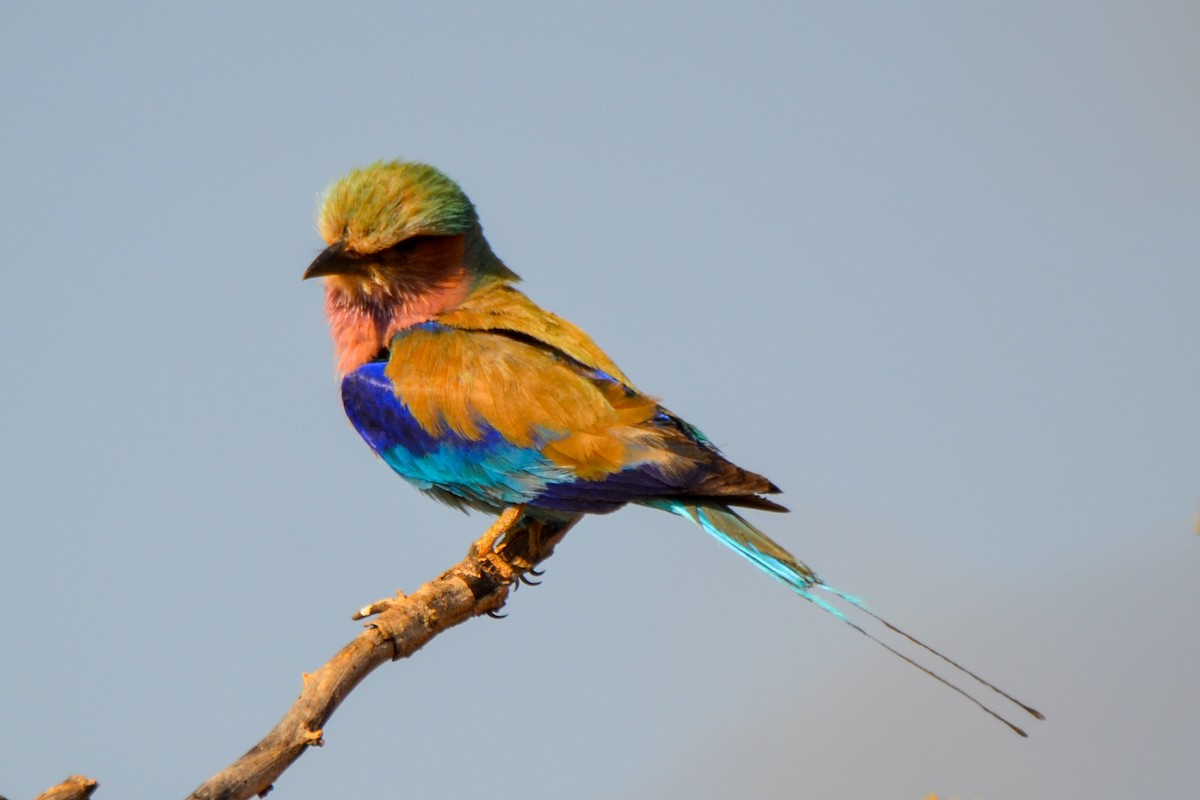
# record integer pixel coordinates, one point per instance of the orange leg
(503, 524)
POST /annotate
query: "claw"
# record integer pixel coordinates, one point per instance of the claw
(525, 579)
(496, 615)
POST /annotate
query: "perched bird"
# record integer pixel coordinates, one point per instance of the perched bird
(484, 400)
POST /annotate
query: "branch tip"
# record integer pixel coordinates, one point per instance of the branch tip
(76, 787)
(379, 606)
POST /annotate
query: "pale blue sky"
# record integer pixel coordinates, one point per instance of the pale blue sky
(934, 269)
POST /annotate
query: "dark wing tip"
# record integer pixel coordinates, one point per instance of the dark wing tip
(750, 501)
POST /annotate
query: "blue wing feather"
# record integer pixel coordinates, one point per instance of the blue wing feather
(490, 472)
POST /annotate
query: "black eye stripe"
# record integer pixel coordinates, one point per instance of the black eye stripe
(402, 250)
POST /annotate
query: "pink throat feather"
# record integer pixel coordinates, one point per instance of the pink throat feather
(363, 322)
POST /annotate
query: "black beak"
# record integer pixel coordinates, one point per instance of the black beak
(334, 260)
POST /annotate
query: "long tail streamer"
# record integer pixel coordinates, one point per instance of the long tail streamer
(736, 533)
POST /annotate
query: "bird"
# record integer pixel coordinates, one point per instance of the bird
(480, 398)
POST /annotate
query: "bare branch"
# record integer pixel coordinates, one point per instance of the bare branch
(75, 787)
(478, 585)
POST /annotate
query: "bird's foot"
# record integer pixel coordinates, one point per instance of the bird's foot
(486, 546)
(380, 606)
(513, 547)
(523, 549)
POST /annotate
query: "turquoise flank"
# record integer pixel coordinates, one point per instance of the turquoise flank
(491, 476)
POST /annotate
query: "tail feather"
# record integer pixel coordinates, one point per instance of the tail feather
(752, 544)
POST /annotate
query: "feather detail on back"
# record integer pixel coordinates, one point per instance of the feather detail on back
(468, 382)
(500, 307)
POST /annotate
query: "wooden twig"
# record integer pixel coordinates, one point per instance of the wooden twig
(75, 787)
(478, 585)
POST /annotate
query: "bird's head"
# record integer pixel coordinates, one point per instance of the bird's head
(400, 223)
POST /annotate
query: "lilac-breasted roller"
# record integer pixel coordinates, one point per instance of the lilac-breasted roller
(484, 400)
